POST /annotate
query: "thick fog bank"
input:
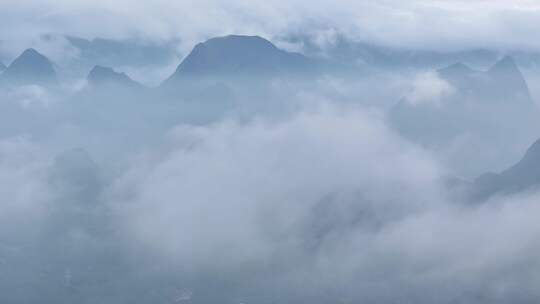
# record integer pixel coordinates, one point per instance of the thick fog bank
(261, 172)
(327, 205)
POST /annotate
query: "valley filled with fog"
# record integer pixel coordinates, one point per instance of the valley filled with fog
(268, 165)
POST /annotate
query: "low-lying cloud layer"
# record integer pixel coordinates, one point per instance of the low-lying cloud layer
(327, 205)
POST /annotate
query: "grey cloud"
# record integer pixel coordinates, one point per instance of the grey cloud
(331, 203)
(417, 24)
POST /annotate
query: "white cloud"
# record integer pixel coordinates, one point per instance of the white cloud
(31, 96)
(424, 24)
(217, 187)
(428, 87)
(330, 201)
(24, 191)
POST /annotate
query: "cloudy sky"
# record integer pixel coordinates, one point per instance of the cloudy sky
(418, 23)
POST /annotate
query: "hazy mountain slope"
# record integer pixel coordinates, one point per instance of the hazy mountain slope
(361, 54)
(239, 56)
(522, 176)
(106, 77)
(30, 67)
(472, 94)
(472, 111)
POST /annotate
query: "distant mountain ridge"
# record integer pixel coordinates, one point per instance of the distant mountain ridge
(104, 76)
(492, 108)
(456, 71)
(503, 84)
(2, 67)
(364, 53)
(524, 175)
(507, 72)
(377, 54)
(503, 81)
(239, 55)
(31, 67)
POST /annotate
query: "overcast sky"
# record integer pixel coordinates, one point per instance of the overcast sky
(415, 23)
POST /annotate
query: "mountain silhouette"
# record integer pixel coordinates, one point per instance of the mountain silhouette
(456, 71)
(502, 82)
(102, 76)
(363, 54)
(522, 176)
(30, 67)
(2, 67)
(492, 108)
(508, 81)
(473, 95)
(239, 56)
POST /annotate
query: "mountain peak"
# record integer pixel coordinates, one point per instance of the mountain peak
(236, 41)
(458, 66)
(31, 67)
(457, 74)
(31, 52)
(509, 78)
(238, 55)
(455, 70)
(506, 64)
(522, 176)
(532, 156)
(100, 75)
